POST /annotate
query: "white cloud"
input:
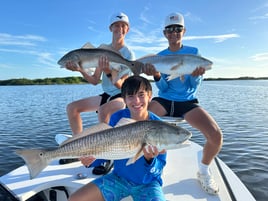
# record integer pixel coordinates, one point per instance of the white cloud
(217, 38)
(154, 41)
(143, 17)
(44, 58)
(23, 41)
(145, 38)
(193, 18)
(260, 57)
(20, 40)
(259, 17)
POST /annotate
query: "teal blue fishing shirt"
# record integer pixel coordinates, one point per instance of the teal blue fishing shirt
(182, 88)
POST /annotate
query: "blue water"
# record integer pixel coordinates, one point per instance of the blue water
(30, 117)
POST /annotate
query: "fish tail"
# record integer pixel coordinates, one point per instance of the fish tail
(34, 160)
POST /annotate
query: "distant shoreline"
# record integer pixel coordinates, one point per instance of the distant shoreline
(81, 80)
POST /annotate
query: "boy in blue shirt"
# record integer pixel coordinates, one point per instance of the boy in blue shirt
(177, 98)
(142, 179)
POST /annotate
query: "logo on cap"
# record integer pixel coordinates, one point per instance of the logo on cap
(119, 17)
(174, 17)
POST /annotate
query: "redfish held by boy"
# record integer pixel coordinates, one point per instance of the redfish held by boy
(88, 58)
(126, 141)
(176, 65)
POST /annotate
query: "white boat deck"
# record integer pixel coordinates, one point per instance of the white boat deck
(180, 181)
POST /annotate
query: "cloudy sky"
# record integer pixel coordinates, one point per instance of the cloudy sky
(34, 34)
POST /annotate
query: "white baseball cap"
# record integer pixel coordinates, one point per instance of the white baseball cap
(174, 19)
(119, 17)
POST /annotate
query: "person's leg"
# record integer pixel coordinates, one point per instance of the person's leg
(89, 192)
(204, 122)
(112, 187)
(157, 108)
(75, 108)
(106, 110)
(152, 191)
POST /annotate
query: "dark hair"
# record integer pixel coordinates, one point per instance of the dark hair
(133, 84)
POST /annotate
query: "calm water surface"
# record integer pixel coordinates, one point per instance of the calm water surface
(30, 117)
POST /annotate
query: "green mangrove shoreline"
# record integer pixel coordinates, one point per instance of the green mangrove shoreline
(81, 80)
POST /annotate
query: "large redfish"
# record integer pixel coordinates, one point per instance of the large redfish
(126, 141)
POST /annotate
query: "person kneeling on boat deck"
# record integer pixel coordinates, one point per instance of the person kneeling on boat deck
(142, 179)
(110, 101)
(177, 98)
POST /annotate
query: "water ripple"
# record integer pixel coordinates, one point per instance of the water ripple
(31, 116)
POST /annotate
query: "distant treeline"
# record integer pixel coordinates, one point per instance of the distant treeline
(46, 81)
(239, 78)
(81, 80)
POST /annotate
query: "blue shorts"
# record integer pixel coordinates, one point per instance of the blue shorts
(115, 188)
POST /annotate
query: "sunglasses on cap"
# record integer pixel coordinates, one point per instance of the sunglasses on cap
(171, 29)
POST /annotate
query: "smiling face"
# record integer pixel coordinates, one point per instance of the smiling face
(138, 103)
(119, 29)
(174, 33)
(137, 93)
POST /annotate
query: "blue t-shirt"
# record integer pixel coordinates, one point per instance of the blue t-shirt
(139, 172)
(179, 89)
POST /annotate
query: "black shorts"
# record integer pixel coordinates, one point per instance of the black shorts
(105, 98)
(175, 108)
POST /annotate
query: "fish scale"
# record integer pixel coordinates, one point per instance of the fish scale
(176, 65)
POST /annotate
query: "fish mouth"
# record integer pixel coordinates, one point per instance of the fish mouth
(186, 143)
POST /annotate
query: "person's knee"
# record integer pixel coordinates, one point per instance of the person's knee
(216, 137)
(157, 108)
(102, 110)
(71, 109)
(73, 197)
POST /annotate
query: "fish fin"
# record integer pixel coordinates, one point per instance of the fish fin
(148, 55)
(137, 156)
(88, 45)
(172, 76)
(95, 128)
(133, 159)
(177, 66)
(60, 138)
(130, 161)
(109, 47)
(124, 121)
(34, 160)
(88, 131)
